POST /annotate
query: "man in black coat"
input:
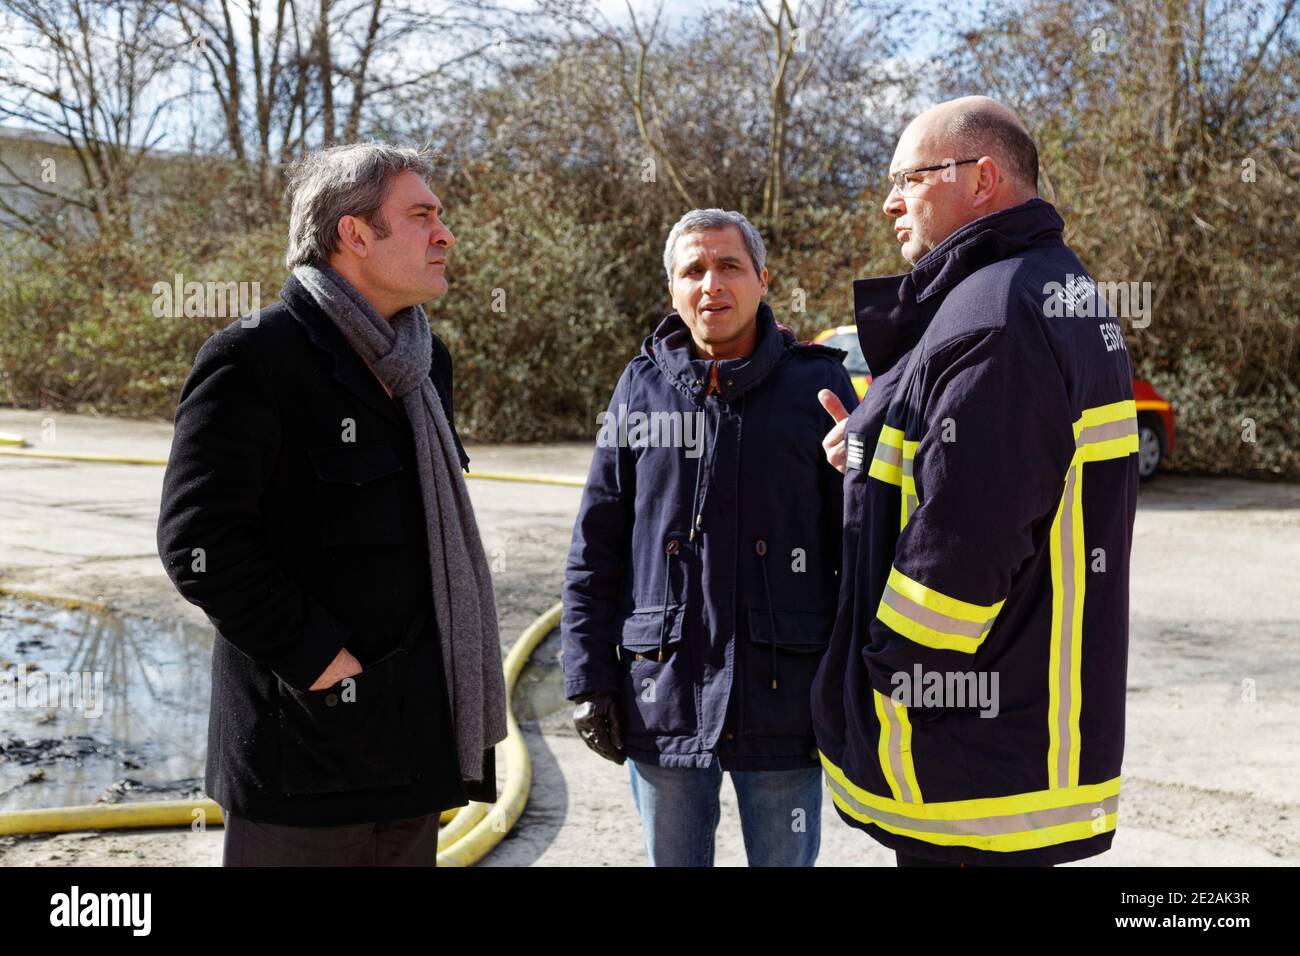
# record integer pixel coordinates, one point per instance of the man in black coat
(292, 514)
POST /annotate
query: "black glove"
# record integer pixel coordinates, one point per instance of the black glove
(599, 725)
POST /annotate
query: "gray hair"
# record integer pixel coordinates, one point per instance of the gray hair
(698, 220)
(350, 180)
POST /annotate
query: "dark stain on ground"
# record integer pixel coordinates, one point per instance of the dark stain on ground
(76, 748)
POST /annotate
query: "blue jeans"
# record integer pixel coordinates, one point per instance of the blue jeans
(780, 813)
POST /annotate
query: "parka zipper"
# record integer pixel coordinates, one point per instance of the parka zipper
(760, 547)
(670, 549)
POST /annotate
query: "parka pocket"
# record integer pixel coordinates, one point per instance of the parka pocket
(779, 667)
(350, 736)
(357, 495)
(658, 694)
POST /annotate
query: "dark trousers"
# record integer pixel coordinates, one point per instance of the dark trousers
(409, 842)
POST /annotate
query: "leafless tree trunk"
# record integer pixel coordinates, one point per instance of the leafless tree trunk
(325, 72)
(791, 63)
(359, 73)
(637, 93)
(85, 71)
(274, 78)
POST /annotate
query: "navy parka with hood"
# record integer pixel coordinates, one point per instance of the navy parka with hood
(701, 583)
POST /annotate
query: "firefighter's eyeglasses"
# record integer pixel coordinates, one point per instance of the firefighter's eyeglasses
(899, 179)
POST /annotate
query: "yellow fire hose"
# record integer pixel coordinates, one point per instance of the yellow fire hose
(469, 836)
(496, 822)
(144, 460)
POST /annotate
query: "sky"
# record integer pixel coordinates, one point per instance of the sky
(174, 131)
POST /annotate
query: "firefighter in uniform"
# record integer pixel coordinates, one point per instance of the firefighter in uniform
(970, 707)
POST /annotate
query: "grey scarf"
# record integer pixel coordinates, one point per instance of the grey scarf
(400, 353)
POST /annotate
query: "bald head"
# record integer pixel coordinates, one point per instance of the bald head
(978, 126)
(957, 162)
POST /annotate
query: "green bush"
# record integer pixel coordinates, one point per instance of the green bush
(1222, 431)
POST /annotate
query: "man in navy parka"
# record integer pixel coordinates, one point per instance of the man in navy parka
(701, 583)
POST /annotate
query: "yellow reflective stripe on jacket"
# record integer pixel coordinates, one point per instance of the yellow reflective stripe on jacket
(1103, 414)
(895, 748)
(1101, 433)
(932, 618)
(907, 483)
(892, 463)
(1022, 821)
(886, 463)
(1107, 431)
(1064, 670)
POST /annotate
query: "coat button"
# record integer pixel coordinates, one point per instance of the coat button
(331, 700)
(731, 381)
(672, 546)
(760, 546)
(728, 736)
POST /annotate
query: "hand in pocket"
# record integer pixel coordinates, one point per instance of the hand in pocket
(343, 665)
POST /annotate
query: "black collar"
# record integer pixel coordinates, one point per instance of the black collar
(348, 368)
(669, 347)
(892, 312)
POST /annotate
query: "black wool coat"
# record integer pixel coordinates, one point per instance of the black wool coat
(291, 514)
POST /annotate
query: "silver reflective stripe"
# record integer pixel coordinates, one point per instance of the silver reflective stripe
(895, 754)
(1095, 433)
(934, 620)
(909, 499)
(984, 826)
(888, 454)
(1068, 597)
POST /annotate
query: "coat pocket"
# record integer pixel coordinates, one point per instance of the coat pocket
(350, 736)
(787, 658)
(658, 695)
(357, 494)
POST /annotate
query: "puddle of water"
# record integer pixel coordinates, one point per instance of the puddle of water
(114, 709)
(539, 691)
(96, 708)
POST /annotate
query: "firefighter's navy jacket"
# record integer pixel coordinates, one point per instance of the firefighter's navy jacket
(989, 497)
